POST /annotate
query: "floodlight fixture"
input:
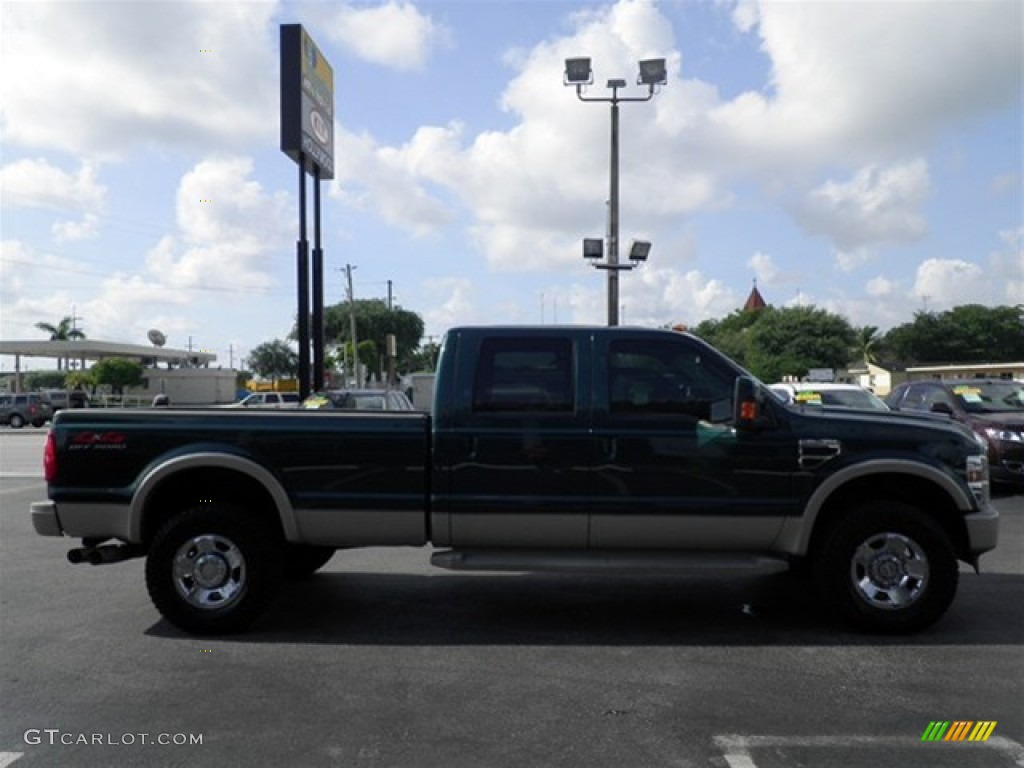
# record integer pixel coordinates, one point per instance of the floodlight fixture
(593, 248)
(652, 73)
(639, 250)
(578, 71)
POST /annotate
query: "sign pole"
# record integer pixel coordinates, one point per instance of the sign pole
(318, 289)
(303, 282)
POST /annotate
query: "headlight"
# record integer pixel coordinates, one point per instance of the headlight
(1006, 435)
(977, 477)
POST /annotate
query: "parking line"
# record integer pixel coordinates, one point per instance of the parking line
(736, 747)
(19, 489)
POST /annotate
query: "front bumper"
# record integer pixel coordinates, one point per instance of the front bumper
(982, 529)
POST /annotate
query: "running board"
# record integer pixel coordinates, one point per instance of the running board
(609, 561)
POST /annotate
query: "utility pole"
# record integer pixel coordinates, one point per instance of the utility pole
(389, 296)
(352, 324)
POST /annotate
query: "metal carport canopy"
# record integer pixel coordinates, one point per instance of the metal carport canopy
(88, 349)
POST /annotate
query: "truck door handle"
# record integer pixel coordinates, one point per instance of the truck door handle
(609, 448)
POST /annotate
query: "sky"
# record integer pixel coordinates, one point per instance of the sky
(861, 157)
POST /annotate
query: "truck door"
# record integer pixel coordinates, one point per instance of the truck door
(518, 449)
(671, 471)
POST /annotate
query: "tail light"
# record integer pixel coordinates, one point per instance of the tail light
(50, 458)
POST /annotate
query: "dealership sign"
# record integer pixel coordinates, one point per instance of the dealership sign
(307, 102)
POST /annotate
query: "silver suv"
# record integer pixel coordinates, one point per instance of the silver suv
(24, 408)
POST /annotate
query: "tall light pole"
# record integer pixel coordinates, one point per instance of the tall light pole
(579, 73)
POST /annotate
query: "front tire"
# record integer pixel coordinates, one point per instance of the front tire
(887, 567)
(213, 569)
(17, 421)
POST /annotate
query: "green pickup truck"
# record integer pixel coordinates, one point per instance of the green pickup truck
(548, 448)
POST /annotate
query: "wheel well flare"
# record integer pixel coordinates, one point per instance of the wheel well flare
(188, 488)
(911, 490)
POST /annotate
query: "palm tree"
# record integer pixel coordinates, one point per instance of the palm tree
(63, 331)
(867, 337)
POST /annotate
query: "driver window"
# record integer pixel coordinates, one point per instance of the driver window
(663, 377)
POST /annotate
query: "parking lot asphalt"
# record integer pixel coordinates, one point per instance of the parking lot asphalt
(381, 660)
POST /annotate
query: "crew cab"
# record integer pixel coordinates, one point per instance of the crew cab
(548, 448)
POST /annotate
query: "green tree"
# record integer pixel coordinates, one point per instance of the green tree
(792, 340)
(81, 380)
(374, 321)
(274, 360)
(44, 380)
(62, 331)
(731, 333)
(117, 373)
(773, 343)
(424, 359)
(970, 333)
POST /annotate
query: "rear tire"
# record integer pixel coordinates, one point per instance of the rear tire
(887, 567)
(213, 569)
(17, 421)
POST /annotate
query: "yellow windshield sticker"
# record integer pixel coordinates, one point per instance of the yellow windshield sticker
(811, 398)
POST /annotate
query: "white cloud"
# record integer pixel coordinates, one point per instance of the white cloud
(131, 74)
(664, 296)
(392, 182)
(880, 287)
(451, 304)
(86, 228)
(228, 228)
(22, 269)
(763, 266)
(945, 283)
(36, 183)
(860, 78)
(394, 34)
(877, 205)
(848, 261)
(1007, 266)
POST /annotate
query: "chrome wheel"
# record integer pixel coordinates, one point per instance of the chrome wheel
(209, 572)
(889, 571)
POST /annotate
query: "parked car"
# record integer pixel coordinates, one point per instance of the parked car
(993, 408)
(63, 398)
(24, 408)
(268, 400)
(359, 400)
(821, 393)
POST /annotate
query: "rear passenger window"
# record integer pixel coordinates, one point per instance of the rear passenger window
(524, 374)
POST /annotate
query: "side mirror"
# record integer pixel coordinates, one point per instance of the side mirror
(748, 402)
(945, 408)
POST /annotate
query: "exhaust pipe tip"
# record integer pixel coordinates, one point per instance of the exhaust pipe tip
(107, 553)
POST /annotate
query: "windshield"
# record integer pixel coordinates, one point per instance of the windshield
(853, 398)
(990, 396)
(843, 398)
